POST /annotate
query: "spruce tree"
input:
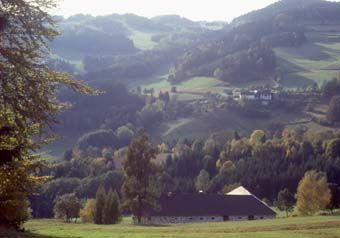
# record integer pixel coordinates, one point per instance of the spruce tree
(100, 205)
(111, 212)
(117, 216)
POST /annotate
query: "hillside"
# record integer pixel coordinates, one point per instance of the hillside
(278, 46)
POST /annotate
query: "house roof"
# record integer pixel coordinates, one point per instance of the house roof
(211, 205)
(239, 191)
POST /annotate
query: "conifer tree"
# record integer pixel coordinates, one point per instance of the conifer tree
(111, 212)
(100, 205)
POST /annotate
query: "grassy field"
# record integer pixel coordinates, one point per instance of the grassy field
(142, 40)
(316, 60)
(193, 88)
(308, 227)
(221, 121)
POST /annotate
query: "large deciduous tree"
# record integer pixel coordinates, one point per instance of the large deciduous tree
(28, 99)
(138, 195)
(313, 193)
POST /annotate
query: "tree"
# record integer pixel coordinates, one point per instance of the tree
(285, 201)
(67, 207)
(335, 200)
(333, 148)
(334, 109)
(111, 212)
(257, 137)
(124, 135)
(139, 169)
(202, 181)
(313, 193)
(100, 205)
(87, 213)
(28, 99)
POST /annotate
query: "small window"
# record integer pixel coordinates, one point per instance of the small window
(239, 218)
(261, 218)
(201, 218)
(190, 218)
(213, 218)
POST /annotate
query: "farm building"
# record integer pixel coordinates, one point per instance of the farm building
(238, 205)
(263, 96)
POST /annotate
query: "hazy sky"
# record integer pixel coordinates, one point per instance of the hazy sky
(224, 10)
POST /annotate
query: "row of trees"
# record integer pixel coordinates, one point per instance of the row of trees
(313, 195)
(105, 209)
(139, 195)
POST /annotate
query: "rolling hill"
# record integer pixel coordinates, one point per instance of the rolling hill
(292, 44)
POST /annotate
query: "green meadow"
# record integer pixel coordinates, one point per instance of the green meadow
(299, 227)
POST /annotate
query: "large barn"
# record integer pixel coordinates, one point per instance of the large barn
(238, 205)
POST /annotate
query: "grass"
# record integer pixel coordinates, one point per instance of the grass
(142, 40)
(193, 88)
(222, 121)
(301, 227)
(316, 60)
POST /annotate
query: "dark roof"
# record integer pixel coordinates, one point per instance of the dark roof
(211, 205)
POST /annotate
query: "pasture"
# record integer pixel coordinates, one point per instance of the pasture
(300, 227)
(315, 61)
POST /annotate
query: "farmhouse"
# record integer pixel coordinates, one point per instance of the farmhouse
(263, 96)
(239, 205)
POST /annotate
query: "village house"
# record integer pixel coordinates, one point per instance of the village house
(238, 205)
(263, 96)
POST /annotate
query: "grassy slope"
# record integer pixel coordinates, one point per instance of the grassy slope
(190, 89)
(308, 227)
(142, 40)
(315, 61)
(222, 121)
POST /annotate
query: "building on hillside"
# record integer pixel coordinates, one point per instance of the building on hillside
(263, 96)
(238, 205)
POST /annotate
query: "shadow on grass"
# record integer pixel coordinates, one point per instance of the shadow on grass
(21, 234)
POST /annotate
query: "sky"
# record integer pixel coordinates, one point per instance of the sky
(208, 10)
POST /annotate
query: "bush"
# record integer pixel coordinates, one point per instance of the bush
(87, 213)
(67, 207)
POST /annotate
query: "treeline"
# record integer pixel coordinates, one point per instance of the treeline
(265, 163)
(136, 66)
(111, 118)
(115, 107)
(104, 209)
(89, 41)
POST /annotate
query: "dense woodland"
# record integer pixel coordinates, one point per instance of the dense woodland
(265, 163)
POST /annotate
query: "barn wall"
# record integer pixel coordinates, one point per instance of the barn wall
(181, 220)
(157, 220)
(197, 219)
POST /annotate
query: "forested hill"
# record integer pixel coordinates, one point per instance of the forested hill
(117, 34)
(245, 53)
(306, 11)
(170, 72)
